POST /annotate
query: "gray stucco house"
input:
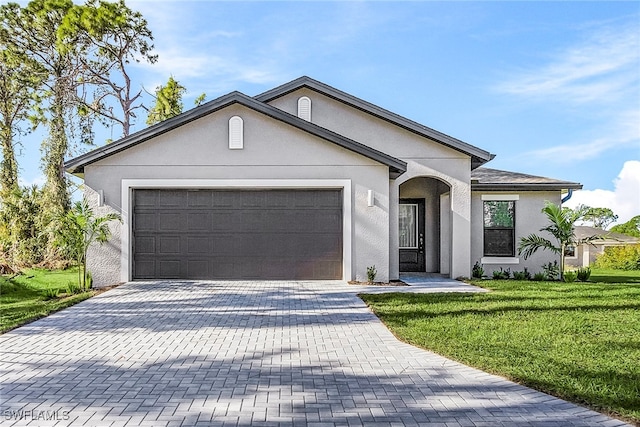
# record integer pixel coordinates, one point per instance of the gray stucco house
(305, 181)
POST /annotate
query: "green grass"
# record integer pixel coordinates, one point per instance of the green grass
(29, 296)
(578, 341)
(615, 276)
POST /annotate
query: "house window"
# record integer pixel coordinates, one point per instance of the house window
(408, 230)
(499, 228)
(570, 251)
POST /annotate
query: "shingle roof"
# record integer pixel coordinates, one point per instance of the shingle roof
(478, 155)
(494, 179)
(76, 165)
(583, 231)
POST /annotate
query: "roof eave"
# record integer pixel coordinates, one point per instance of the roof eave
(526, 187)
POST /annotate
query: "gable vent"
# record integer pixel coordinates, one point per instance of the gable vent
(236, 133)
(304, 108)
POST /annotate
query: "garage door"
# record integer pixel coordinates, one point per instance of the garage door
(247, 234)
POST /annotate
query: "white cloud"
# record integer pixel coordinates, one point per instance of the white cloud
(601, 69)
(624, 200)
(619, 133)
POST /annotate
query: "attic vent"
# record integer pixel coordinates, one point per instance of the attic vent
(304, 108)
(236, 133)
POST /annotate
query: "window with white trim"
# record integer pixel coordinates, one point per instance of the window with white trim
(499, 228)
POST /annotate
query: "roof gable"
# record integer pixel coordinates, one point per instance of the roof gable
(76, 165)
(478, 156)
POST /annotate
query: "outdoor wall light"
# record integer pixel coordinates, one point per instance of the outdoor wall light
(371, 200)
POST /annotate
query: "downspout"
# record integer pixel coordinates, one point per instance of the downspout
(567, 197)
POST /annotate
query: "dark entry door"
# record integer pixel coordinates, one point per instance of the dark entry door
(411, 234)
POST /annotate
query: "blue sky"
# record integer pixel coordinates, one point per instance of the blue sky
(551, 88)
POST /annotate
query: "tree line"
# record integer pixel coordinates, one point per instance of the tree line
(65, 68)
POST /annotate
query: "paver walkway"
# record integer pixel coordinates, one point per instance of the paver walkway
(248, 354)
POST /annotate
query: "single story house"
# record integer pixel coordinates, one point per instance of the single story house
(305, 182)
(585, 254)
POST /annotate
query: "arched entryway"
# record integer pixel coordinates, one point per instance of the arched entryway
(424, 226)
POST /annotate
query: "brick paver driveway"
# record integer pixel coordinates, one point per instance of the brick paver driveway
(233, 353)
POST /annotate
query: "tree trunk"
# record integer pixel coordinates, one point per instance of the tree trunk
(9, 168)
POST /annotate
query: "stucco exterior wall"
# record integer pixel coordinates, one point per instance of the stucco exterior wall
(272, 151)
(424, 158)
(528, 220)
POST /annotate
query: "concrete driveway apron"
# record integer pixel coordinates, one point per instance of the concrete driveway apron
(248, 354)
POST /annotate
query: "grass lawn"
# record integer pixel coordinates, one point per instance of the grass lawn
(615, 276)
(24, 298)
(578, 341)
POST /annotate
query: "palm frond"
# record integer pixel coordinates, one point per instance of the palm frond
(530, 245)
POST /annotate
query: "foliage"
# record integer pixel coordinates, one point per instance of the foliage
(630, 228)
(24, 298)
(583, 273)
(625, 257)
(110, 36)
(577, 341)
(599, 217)
(477, 272)
(539, 277)
(168, 102)
(51, 293)
(551, 270)
(570, 276)
(79, 229)
(561, 227)
(19, 79)
(522, 275)
(371, 273)
(22, 237)
(502, 274)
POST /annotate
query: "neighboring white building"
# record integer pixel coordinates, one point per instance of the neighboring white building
(305, 182)
(585, 254)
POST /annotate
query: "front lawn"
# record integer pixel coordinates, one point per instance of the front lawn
(578, 341)
(615, 276)
(30, 296)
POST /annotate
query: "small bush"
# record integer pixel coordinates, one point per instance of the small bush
(89, 280)
(502, 274)
(73, 288)
(539, 277)
(625, 257)
(477, 272)
(551, 270)
(583, 274)
(371, 273)
(522, 275)
(51, 293)
(570, 276)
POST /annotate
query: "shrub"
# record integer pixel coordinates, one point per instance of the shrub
(371, 273)
(551, 270)
(625, 257)
(51, 293)
(539, 277)
(73, 288)
(477, 272)
(583, 274)
(502, 274)
(569, 276)
(522, 275)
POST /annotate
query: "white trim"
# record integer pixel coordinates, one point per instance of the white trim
(500, 197)
(499, 260)
(128, 184)
(236, 133)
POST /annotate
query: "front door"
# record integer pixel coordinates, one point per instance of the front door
(411, 234)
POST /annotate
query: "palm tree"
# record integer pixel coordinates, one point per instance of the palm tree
(79, 229)
(562, 228)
